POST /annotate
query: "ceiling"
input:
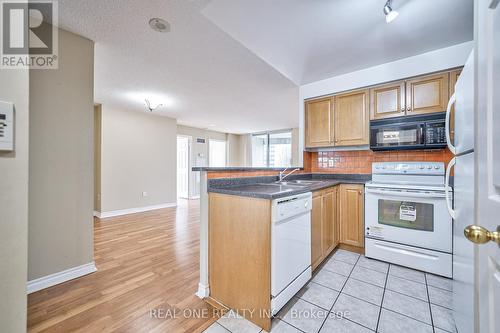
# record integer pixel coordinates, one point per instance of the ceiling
(310, 40)
(235, 66)
(202, 75)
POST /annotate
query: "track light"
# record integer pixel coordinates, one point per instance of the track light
(390, 14)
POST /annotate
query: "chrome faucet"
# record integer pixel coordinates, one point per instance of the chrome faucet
(283, 176)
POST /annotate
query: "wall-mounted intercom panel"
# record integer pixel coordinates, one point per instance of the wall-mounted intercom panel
(6, 126)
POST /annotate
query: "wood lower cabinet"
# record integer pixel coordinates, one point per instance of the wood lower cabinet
(388, 100)
(427, 94)
(352, 215)
(240, 254)
(319, 122)
(352, 119)
(316, 229)
(330, 234)
(324, 224)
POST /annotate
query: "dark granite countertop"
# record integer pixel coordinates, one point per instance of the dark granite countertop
(267, 188)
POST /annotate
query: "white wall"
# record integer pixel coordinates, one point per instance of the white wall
(437, 60)
(14, 87)
(139, 154)
(61, 160)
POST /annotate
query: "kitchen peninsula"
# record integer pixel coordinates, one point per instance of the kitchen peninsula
(241, 265)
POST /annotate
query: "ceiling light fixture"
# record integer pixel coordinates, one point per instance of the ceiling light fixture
(160, 25)
(390, 14)
(150, 108)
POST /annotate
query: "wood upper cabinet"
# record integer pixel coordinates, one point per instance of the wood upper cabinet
(427, 94)
(388, 100)
(352, 119)
(352, 214)
(319, 122)
(330, 221)
(316, 230)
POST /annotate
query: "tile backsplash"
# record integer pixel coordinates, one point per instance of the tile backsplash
(360, 162)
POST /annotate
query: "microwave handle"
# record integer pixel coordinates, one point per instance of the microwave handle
(451, 102)
(452, 212)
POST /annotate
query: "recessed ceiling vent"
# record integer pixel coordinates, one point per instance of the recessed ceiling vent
(160, 25)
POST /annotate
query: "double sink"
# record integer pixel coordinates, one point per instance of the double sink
(296, 182)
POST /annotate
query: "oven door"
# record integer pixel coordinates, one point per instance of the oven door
(397, 136)
(412, 217)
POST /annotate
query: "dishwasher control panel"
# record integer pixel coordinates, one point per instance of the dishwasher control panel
(287, 207)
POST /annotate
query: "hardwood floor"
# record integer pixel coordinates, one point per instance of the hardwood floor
(145, 262)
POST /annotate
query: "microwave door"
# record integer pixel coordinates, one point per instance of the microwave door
(396, 136)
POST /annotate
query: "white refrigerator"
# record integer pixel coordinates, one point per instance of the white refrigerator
(462, 206)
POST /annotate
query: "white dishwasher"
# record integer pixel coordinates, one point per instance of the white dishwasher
(290, 247)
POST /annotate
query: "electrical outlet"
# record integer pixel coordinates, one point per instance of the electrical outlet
(144, 194)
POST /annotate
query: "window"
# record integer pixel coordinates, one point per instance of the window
(217, 153)
(272, 149)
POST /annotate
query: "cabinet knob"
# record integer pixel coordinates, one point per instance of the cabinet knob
(402, 109)
(408, 109)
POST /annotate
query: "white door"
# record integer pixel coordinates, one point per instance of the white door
(487, 149)
(217, 153)
(182, 167)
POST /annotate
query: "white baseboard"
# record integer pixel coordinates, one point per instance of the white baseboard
(60, 277)
(203, 291)
(112, 213)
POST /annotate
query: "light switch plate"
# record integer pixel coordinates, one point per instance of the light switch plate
(6, 126)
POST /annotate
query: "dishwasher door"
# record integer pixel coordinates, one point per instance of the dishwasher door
(290, 241)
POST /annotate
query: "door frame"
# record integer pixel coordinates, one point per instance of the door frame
(189, 163)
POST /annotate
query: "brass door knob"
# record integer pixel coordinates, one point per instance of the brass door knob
(480, 235)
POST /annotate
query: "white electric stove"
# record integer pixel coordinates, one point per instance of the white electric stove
(406, 219)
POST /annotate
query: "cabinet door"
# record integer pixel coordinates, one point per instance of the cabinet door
(316, 230)
(336, 231)
(453, 80)
(352, 119)
(387, 101)
(329, 219)
(318, 121)
(427, 94)
(352, 215)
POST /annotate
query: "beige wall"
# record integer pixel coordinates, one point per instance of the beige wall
(14, 85)
(61, 160)
(138, 154)
(295, 147)
(236, 150)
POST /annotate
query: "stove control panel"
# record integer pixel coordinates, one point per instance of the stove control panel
(413, 168)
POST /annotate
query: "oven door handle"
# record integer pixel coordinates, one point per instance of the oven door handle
(407, 193)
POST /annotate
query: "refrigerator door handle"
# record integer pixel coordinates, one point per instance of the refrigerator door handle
(451, 102)
(447, 191)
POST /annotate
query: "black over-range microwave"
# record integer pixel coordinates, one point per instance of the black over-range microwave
(409, 132)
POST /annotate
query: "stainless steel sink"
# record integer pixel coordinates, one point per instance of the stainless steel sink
(299, 182)
(309, 182)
